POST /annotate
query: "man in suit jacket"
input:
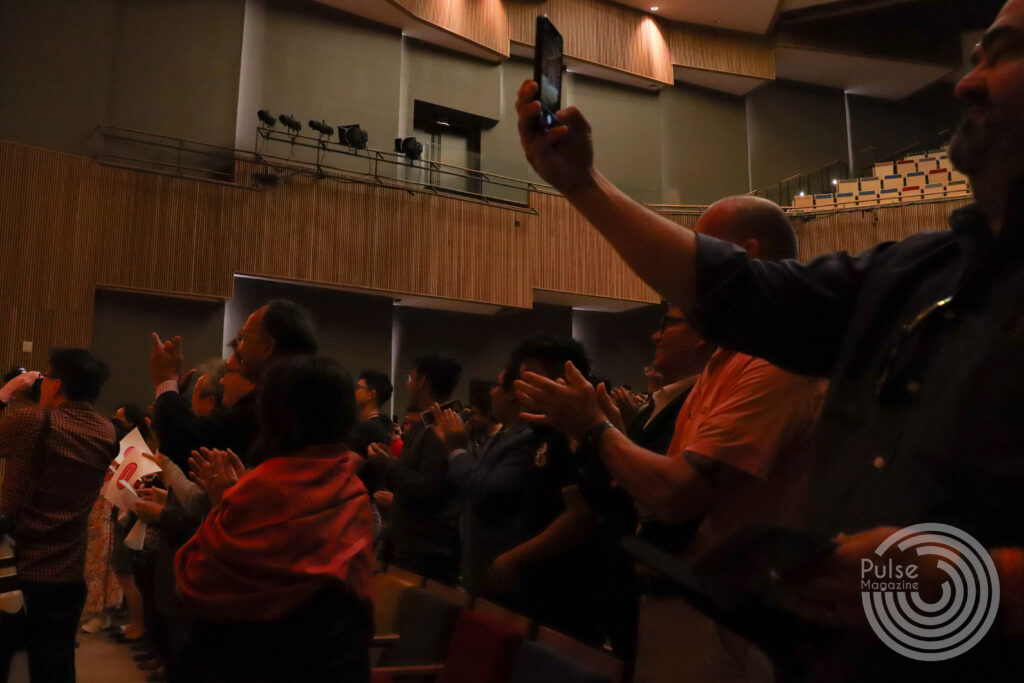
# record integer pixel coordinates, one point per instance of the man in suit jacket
(424, 532)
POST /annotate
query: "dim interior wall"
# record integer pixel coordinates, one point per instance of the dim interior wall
(500, 150)
(619, 344)
(55, 61)
(704, 138)
(481, 343)
(176, 68)
(353, 329)
(121, 337)
(314, 63)
(793, 128)
(626, 125)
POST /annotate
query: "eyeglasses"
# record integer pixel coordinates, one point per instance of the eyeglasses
(362, 386)
(668, 321)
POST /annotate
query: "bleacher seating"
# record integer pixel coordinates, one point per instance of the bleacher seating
(824, 200)
(870, 184)
(921, 177)
(889, 196)
(867, 198)
(894, 181)
(848, 185)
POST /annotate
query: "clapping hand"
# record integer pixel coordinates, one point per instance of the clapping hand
(449, 428)
(571, 405)
(215, 471)
(627, 403)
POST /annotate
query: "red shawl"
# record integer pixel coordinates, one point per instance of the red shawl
(286, 529)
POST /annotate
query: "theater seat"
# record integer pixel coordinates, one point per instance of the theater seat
(537, 663)
(425, 628)
(482, 650)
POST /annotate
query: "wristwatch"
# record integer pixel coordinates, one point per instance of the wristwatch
(591, 439)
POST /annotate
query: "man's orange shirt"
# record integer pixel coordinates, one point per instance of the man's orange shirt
(750, 416)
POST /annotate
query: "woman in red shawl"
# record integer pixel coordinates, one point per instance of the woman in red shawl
(280, 571)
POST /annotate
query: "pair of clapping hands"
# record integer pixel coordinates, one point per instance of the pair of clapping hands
(212, 469)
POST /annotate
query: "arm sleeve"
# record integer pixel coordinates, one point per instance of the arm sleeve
(794, 315)
(425, 483)
(754, 421)
(192, 498)
(505, 480)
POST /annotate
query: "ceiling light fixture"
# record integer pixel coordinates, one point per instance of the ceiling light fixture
(654, 9)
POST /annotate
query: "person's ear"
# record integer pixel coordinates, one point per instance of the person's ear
(753, 248)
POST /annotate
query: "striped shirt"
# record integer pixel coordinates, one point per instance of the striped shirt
(52, 504)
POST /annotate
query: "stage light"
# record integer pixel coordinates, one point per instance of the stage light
(322, 128)
(267, 118)
(290, 122)
(353, 136)
(412, 149)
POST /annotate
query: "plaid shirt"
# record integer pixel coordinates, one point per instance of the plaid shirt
(52, 512)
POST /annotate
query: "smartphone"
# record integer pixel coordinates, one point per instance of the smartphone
(547, 70)
(428, 415)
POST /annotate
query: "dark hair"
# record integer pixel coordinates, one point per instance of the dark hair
(81, 374)
(552, 352)
(379, 383)
(291, 328)
(304, 401)
(134, 417)
(442, 373)
(12, 373)
(482, 402)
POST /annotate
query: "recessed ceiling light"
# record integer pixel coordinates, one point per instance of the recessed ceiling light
(654, 9)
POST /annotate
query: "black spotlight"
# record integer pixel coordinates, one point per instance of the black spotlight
(353, 136)
(322, 128)
(412, 149)
(291, 123)
(267, 118)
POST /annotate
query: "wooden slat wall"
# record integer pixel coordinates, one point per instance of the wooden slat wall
(568, 255)
(716, 50)
(68, 224)
(484, 22)
(855, 231)
(601, 33)
(612, 35)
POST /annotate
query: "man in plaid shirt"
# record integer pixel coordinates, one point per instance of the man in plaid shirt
(57, 455)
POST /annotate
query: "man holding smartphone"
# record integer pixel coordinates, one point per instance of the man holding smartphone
(922, 342)
(424, 536)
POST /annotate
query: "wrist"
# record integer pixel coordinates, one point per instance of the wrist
(590, 440)
(584, 187)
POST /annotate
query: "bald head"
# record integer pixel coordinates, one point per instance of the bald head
(756, 224)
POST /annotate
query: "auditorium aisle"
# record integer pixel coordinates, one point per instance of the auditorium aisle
(97, 660)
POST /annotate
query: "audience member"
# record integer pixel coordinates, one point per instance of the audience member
(739, 453)
(424, 514)
(526, 522)
(280, 571)
(482, 423)
(58, 454)
(922, 420)
(277, 330)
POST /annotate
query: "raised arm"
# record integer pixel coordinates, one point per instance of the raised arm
(658, 250)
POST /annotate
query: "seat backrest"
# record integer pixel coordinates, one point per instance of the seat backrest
(426, 622)
(538, 663)
(387, 596)
(505, 616)
(482, 650)
(406, 575)
(592, 658)
(456, 596)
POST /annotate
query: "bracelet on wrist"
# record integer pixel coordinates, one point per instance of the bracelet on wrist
(591, 439)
